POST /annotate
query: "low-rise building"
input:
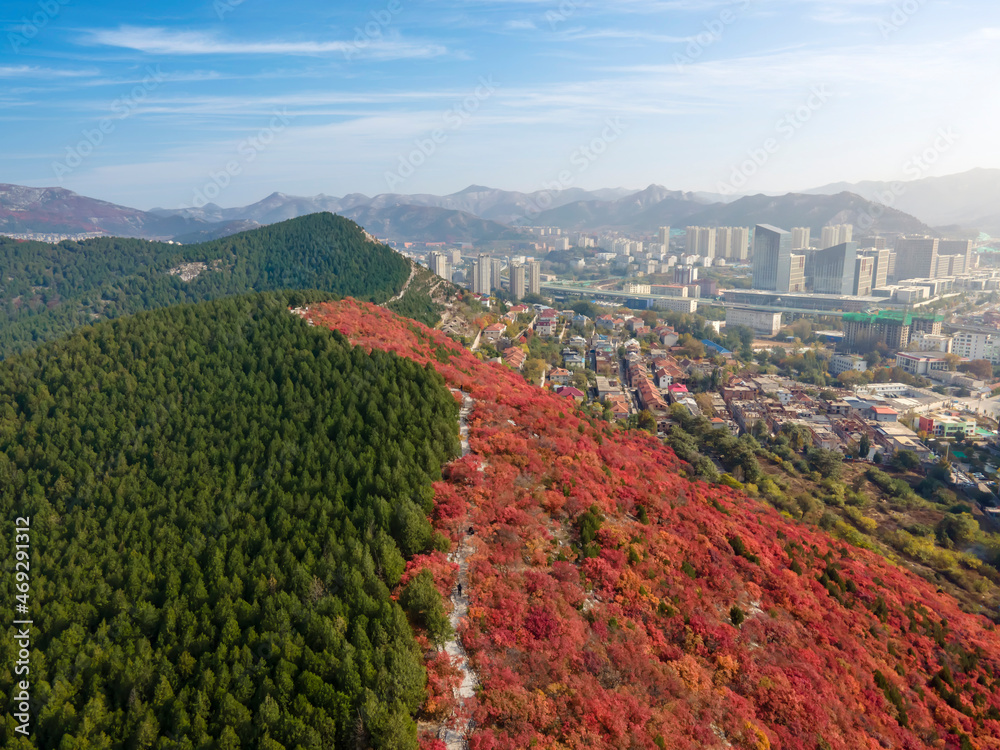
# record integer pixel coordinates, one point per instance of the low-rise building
(920, 364)
(932, 342)
(494, 332)
(840, 363)
(762, 322)
(546, 326)
(947, 425)
(838, 408)
(883, 414)
(559, 376)
(678, 304)
(893, 437)
(568, 391)
(515, 358)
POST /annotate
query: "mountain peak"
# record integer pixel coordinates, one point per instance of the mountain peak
(474, 189)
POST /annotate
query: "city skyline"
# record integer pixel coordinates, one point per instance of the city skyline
(146, 108)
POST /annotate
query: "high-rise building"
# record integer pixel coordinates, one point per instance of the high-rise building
(880, 266)
(739, 244)
(772, 250)
(863, 267)
(916, 258)
(440, 263)
(723, 238)
(496, 271)
(836, 234)
(972, 344)
(801, 238)
(482, 269)
(534, 277)
(889, 327)
(796, 279)
(663, 237)
(833, 269)
(518, 281)
(685, 274)
(701, 241)
(959, 255)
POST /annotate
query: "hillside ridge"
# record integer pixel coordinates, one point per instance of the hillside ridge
(614, 602)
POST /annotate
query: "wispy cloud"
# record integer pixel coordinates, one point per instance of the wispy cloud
(161, 41)
(30, 71)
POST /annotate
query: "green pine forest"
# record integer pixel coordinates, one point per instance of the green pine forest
(48, 290)
(222, 498)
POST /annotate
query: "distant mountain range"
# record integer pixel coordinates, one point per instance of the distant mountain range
(956, 204)
(970, 200)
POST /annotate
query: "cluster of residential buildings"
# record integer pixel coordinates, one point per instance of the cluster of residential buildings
(732, 243)
(873, 410)
(486, 273)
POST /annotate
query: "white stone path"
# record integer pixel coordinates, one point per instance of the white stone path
(455, 730)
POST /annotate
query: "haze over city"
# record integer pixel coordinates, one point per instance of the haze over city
(141, 106)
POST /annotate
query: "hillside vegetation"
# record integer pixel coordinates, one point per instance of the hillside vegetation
(616, 602)
(222, 502)
(46, 290)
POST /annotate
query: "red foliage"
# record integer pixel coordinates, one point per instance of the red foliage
(445, 573)
(636, 646)
(443, 677)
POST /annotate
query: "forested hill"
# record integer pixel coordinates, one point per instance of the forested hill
(617, 601)
(222, 499)
(46, 290)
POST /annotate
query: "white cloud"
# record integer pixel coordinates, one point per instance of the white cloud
(29, 71)
(160, 41)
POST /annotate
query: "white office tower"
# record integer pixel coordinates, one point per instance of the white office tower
(801, 238)
(440, 263)
(518, 281)
(663, 237)
(534, 277)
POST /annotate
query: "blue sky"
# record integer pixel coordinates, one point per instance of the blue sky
(162, 104)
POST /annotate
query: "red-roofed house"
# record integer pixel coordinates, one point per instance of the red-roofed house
(569, 391)
(884, 414)
(546, 326)
(515, 358)
(494, 332)
(559, 376)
